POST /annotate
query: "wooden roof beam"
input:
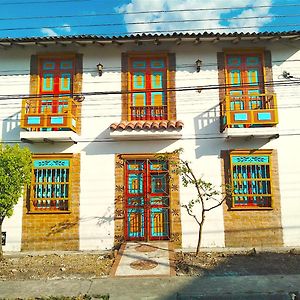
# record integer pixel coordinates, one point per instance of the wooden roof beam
(41, 44)
(178, 41)
(255, 40)
(157, 42)
(275, 39)
(138, 42)
(236, 40)
(115, 42)
(216, 40)
(98, 43)
(295, 38)
(197, 41)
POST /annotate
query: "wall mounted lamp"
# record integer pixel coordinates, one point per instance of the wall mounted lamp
(198, 65)
(100, 69)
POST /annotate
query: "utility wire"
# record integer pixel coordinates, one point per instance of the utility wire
(128, 23)
(155, 22)
(155, 11)
(178, 66)
(177, 89)
(148, 31)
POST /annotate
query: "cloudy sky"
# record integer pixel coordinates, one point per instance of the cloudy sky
(24, 18)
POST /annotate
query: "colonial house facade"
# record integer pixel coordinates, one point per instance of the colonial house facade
(96, 111)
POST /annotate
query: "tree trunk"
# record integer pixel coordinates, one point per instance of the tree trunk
(199, 240)
(1, 250)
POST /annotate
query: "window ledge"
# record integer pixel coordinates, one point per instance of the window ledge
(48, 212)
(250, 208)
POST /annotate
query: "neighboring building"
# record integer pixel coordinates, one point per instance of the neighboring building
(95, 111)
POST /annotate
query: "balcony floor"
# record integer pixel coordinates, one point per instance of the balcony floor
(48, 136)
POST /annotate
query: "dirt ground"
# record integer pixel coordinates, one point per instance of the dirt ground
(87, 265)
(238, 263)
(55, 266)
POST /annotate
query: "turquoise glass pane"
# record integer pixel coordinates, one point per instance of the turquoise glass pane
(48, 65)
(234, 61)
(139, 80)
(158, 183)
(66, 65)
(48, 82)
(159, 222)
(235, 77)
(65, 82)
(135, 165)
(156, 165)
(135, 183)
(135, 223)
(139, 64)
(252, 61)
(157, 80)
(159, 200)
(250, 159)
(157, 64)
(51, 163)
(135, 201)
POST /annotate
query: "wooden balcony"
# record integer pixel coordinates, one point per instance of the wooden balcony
(248, 111)
(49, 114)
(149, 112)
(50, 118)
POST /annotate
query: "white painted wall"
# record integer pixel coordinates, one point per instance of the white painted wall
(201, 139)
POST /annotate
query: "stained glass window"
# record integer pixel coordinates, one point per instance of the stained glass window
(251, 179)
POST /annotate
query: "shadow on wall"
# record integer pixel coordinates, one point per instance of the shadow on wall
(107, 217)
(207, 126)
(104, 144)
(11, 128)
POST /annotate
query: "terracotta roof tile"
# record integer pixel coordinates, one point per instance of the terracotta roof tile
(146, 125)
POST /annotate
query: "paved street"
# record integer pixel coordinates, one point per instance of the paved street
(229, 287)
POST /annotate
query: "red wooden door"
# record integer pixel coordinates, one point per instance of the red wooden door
(146, 200)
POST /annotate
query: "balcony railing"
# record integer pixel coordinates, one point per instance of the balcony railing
(149, 112)
(256, 110)
(49, 114)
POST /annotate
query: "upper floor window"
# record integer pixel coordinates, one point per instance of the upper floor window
(246, 100)
(148, 85)
(250, 179)
(51, 105)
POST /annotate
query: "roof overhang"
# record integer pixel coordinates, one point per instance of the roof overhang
(156, 39)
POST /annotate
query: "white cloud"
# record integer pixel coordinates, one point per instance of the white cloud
(48, 32)
(67, 28)
(209, 18)
(59, 31)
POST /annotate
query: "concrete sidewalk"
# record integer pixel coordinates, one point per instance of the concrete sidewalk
(166, 288)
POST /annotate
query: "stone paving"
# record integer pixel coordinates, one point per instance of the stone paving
(143, 259)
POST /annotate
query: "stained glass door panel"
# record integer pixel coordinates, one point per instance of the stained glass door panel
(147, 200)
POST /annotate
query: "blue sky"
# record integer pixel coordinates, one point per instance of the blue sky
(26, 18)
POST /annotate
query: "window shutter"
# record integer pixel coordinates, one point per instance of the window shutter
(124, 88)
(34, 75)
(269, 73)
(171, 85)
